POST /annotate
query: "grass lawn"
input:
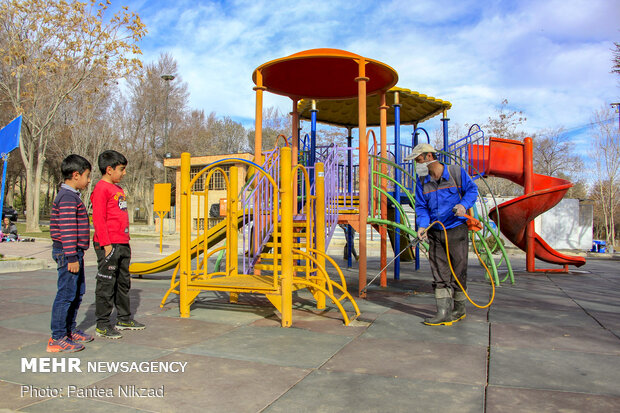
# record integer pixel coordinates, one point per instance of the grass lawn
(45, 232)
(21, 230)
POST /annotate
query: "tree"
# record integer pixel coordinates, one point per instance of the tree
(606, 156)
(84, 128)
(507, 122)
(48, 51)
(229, 136)
(505, 125)
(554, 155)
(616, 66)
(210, 135)
(141, 128)
(275, 123)
(193, 133)
(599, 193)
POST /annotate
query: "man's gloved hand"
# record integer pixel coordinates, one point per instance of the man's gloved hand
(459, 210)
(422, 235)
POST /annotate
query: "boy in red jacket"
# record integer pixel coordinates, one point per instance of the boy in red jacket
(111, 242)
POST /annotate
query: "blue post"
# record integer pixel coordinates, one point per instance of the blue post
(445, 120)
(312, 155)
(397, 178)
(9, 140)
(417, 247)
(5, 164)
(350, 164)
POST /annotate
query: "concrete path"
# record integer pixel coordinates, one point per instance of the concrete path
(549, 343)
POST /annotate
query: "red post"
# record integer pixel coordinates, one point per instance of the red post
(528, 184)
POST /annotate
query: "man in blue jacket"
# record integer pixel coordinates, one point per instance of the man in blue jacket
(444, 193)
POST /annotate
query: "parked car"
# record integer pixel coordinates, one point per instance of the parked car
(9, 212)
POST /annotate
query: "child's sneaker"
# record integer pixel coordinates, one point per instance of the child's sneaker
(129, 325)
(63, 345)
(81, 337)
(108, 332)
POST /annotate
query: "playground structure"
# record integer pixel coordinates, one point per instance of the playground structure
(272, 238)
(283, 217)
(513, 160)
(392, 180)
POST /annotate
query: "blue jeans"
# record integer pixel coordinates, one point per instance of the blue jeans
(71, 288)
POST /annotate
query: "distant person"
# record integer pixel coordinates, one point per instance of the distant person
(444, 193)
(345, 253)
(70, 232)
(111, 241)
(9, 230)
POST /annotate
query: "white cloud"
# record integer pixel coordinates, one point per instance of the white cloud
(550, 59)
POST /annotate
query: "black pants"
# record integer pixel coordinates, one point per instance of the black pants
(459, 246)
(113, 284)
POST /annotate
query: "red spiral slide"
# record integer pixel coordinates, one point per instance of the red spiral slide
(512, 160)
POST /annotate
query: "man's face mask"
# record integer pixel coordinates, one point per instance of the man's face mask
(421, 169)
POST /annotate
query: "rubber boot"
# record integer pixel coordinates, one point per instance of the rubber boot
(458, 313)
(443, 297)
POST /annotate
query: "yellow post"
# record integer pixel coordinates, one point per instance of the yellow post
(286, 236)
(185, 263)
(232, 240)
(161, 206)
(161, 229)
(319, 182)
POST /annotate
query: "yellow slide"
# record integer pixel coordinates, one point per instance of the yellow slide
(214, 235)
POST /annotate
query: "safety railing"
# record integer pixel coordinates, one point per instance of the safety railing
(329, 158)
(199, 204)
(194, 269)
(258, 197)
(348, 178)
(471, 148)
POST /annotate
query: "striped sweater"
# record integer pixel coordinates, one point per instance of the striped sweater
(69, 226)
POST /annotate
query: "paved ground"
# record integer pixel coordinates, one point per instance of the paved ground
(549, 343)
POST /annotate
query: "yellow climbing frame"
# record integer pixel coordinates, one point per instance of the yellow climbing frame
(278, 283)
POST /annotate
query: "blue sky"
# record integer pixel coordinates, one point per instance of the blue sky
(550, 59)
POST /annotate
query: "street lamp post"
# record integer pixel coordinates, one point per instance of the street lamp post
(166, 78)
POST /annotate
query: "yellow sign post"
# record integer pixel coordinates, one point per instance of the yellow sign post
(161, 201)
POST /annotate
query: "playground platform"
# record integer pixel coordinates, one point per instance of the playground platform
(551, 342)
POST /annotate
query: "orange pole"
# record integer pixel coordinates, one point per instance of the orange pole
(363, 170)
(258, 125)
(528, 185)
(258, 151)
(383, 229)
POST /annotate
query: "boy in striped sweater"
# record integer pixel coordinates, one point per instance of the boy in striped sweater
(70, 232)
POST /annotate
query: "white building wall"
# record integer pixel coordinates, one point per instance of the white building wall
(568, 225)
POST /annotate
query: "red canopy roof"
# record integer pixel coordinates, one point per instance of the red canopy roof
(323, 74)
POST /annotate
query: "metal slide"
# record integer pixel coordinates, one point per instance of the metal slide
(504, 158)
(214, 235)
